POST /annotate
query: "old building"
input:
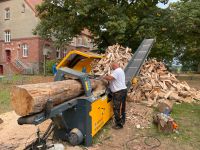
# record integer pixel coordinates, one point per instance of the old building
(20, 50)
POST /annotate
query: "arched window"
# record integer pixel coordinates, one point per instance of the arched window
(24, 50)
(7, 14)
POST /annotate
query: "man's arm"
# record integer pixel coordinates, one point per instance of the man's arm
(108, 78)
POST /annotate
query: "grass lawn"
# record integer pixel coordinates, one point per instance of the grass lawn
(187, 117)
(5, 88)
(9, 82)
(5, 99)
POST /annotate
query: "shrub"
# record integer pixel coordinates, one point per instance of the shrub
(49, 65)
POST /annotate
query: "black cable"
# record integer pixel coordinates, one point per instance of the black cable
(47, 130)
(155, 138)
(145, 141)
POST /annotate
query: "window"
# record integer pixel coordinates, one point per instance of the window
(73, 42)
(7, 13)
(65, 52)
(7, 36)
(85, 41)
(91, 43)
(58, 53)
(79, 41)
(25, 50)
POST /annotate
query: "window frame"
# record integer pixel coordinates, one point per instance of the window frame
(80, 41)
(25, 50)
(7, 36)
(7, 13)
(65, 52)
(58, 51)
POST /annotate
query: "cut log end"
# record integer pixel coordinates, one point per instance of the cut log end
(21, 101)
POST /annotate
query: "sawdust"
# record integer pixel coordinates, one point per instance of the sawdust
(14, 136)
(139, 115)
(1, 121)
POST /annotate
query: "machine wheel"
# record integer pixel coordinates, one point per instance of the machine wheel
(75, 137)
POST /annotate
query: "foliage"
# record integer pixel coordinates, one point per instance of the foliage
(110, 22)
(49, 65)
(186, 19)
(187, 116)
(4, 100)
(127, 22)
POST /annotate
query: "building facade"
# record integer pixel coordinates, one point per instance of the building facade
(20, 50)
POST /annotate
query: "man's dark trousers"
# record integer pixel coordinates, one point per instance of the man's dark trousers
(119, 106)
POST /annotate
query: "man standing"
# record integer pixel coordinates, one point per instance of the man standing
(119, 92)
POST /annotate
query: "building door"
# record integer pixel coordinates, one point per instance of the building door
(1, 69)
(8, 56)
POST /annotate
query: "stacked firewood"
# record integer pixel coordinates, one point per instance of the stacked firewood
(115, 53)
(156, 84)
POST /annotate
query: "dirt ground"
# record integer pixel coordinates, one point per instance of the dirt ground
(14, 136)
(139, 118)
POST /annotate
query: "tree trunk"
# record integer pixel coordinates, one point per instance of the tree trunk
(198, 69)
(31, 98)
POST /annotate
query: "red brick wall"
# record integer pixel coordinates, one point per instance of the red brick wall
(35, 52)
(15, 46)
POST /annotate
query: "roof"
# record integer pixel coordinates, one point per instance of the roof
(33, 3)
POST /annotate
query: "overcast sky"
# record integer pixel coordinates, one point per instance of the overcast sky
(165, 6)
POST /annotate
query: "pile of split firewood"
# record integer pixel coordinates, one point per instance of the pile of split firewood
(155, 84)
(115, 53)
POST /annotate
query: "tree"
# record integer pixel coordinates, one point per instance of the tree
(109, 21)
(186, 20)
(127, 22)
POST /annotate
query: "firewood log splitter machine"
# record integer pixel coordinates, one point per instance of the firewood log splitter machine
(78, 120)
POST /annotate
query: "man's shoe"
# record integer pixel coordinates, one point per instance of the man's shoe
(117, 127)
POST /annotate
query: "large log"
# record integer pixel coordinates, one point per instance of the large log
(31, 98)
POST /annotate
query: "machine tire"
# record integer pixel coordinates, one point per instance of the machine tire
(75, 137)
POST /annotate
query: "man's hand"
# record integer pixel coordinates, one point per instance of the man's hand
(108, 78)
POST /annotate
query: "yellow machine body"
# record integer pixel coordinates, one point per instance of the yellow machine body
(79, 60)
(101, 108)
(101, 112)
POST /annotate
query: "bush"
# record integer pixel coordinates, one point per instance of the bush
(49, 65)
